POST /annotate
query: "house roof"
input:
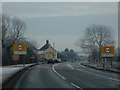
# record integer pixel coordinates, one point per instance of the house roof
(46, 46)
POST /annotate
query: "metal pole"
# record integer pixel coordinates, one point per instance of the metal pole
(103, 63)
(111, 62)
(23, 61)
(16, 63)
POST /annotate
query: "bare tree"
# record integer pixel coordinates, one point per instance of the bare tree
(12, 31)
(16, 31)
(6, 25)
(96, 36)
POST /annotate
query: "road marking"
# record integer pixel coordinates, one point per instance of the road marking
(118, 83)
(76, 86)
(53, 67)
(117, 80)
(70, 66)
(114, 82)
(101, 76)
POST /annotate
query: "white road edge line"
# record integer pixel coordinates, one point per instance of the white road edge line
(76, 86)
(53, 67)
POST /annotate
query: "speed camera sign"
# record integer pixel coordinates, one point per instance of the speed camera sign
(107, 51)
(20, 49)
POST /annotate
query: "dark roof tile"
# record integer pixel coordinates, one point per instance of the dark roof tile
(46, 46)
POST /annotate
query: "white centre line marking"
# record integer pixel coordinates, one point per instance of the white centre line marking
(70, 66)
(53, 67)
(76, 86)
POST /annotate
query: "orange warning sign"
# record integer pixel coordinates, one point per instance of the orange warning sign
(107, 51)
(20, 48)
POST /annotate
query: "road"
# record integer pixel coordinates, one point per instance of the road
(84, 77)
(66, 75)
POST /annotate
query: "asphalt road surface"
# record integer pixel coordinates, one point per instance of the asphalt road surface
(66, 75)
(84, 77)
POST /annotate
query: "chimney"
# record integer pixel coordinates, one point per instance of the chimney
(47, 42)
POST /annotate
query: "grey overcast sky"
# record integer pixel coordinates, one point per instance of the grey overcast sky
(62, 23)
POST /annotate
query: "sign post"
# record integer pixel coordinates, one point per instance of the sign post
(107, 52)
(15, 58)
(32, 58)
(20, 49)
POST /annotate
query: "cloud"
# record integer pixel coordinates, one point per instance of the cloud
(60, 29)
(29, 10)
(60, 0)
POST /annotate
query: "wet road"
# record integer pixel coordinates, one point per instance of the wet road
(41, 76)
(85, 77)
(66, 75)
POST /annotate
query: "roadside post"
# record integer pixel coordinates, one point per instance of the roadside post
(103, 63)
(20, 49)
(107, 52)
(15, 58)
(32, 58)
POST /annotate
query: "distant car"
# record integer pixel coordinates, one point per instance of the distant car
(50, 61)
(58, 61)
